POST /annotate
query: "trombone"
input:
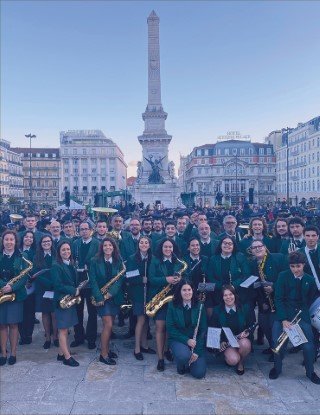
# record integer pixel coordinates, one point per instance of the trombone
(284, 336)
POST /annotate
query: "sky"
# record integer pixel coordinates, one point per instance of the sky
(252, 67)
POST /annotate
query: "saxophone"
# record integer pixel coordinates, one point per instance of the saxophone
(69, 300)
(105, 288)
(11, 297)
(162, 298)
(262, 279)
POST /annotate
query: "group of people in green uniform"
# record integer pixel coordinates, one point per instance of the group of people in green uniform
(193, 277)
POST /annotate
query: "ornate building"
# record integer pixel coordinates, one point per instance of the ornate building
(11, 175)
(90, 163)
(45, 174)
(234, 169)
(298, 162)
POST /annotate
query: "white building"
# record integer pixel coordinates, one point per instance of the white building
(233, 167)
(303, 161)
(90, 163)
(11, 175)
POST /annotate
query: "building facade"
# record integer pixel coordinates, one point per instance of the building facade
(45, 175)
(234, 168)
(298, 162)
(11, 174)
(90, 163)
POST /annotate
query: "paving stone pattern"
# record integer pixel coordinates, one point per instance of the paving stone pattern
(39, 384)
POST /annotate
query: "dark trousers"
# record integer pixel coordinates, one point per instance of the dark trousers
(265, 321)
(182, 354)
(27, 325)
(308, 348)
(91, 330)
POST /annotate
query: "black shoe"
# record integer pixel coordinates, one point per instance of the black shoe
(294, 349)
(148, 350)
(107, 361)
(92, 345)
(240, 372)
(168, 355)
(60, 357)
(267, 351)
(112, 355)
(314, 378)
(138, 356)
(36, 321)
(56, 342)
(3, 361)
(181, 370)
(160, 365)
(76, 343)
(273, 374)
(26, 340)
(70, 362)
(47, 344)
(12, 360)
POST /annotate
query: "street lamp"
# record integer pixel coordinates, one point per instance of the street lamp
(235, 153)
(30, 136)
(287, 156)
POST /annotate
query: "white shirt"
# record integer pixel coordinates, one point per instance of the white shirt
(66, 261)
(205, 242)
(143, 256)
(47, 253)
(230, 308)
(167, 259)
(87, 241)
(194, 258)
(188, 304)
(108, 260)
(225, 256)
(8, 254)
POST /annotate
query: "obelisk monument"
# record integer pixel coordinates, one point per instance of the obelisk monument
(156, 178)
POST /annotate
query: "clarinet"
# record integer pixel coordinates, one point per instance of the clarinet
(202, 299)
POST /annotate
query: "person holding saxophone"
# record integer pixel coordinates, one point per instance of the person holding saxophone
(13, 277)
(106, 278)
(186, 327)
(165, 272)
(294, 293)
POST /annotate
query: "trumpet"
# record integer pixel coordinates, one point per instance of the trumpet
(284, 336)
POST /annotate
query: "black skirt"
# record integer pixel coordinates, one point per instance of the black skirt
(11, 312)
(44, 305)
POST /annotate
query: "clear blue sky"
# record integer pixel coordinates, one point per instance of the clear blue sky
(247, 66)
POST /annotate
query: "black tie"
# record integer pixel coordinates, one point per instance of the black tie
(231, 311)
(186, 307)
(298, 243)
(312, 251)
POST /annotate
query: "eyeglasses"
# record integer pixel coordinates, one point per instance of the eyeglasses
(46, 242)
(84, 229)
(230, 223)
(257, 247)
(227, 243)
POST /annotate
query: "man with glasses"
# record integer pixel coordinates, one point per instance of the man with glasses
(83, 250)
(267, 267)
(230, 229)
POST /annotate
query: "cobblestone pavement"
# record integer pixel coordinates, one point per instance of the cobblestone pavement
(39, 384)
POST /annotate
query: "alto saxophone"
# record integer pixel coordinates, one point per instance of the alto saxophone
(162, 298)
(263, 278)
(69, 300)
(11, 297)
(105, 288)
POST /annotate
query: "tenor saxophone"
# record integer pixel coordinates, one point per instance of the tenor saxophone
(11, 297)
(263, 278)
(162, 298)
(105, 288)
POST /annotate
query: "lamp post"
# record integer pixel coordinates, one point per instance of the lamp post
(30, 136)
(235, 153)
(287, 156)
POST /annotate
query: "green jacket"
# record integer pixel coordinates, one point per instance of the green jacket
(285, 246)
(135, 286)
(244, 318)
(127, 246)
(285, 296)
(246, 243)
(76, 251)
(195, 270)
(181, 244)
(177, 330)
(18, 287)
(44, 282)
(64, 281)
(158, 274)
(97, 277)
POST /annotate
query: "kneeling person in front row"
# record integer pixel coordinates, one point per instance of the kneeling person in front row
(295, 291)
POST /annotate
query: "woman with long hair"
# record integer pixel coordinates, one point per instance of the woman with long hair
(44, 289)
(186, 336)
(138, 266)
(164, 269)
(65, 283)
(11, 312)
(103, 267)
(230, 313)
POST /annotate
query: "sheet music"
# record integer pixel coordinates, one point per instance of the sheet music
(31, 289)
(213, 337)
(296, 335)
(48, 294)
(230, 336)
(249, 281)
(134, 273)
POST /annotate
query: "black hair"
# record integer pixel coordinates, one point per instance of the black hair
(297, 258)
(177, 298)
(312, 228)
(218, 250)
(176, 250)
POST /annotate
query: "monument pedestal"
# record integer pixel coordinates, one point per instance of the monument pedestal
(168, 194)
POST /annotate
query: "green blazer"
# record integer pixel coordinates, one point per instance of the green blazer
(127, 246)
(18, 287)
(307, 267)
(285, 246)
(246, 242)
(194, 272)
(158, 274)
(245, 318)
(98, 278)
(181, 244)
(64, 281)
(93, 249)
(285, 296)
(44, 281)
(177, 330)
(135, 286)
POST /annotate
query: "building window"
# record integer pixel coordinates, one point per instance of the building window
(46, 155)
(84, 151)
(74, 151)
